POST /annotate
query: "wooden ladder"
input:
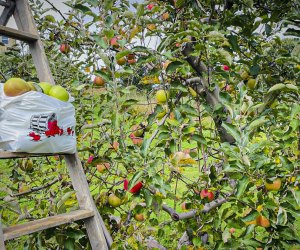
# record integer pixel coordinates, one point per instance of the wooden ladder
(98, 235)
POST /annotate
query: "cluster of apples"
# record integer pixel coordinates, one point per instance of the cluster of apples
(17, 86)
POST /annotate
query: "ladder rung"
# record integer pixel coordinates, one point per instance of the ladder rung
(11, 155)
(18, 34)
(45, 223)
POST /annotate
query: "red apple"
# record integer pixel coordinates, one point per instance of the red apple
(135, 189)
(114, 42)
(65, 48)
(207, 194)
(150, 6)
(226, 67)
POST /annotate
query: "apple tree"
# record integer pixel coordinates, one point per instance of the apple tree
(188, 120)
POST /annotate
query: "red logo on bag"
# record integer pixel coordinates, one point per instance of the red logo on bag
(46, 124)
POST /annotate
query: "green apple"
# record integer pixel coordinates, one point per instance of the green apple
(251, 83)
(59, 93)
(46, 86)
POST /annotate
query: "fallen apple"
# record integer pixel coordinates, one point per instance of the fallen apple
(99, 81)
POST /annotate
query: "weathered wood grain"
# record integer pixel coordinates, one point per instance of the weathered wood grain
(45, 223)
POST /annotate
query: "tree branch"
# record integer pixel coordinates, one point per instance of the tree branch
(34, 189)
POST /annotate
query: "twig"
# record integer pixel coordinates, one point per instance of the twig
(34, 189)
(99, 124)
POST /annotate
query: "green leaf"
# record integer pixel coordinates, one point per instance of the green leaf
(189, 110)
(277, 87)
(281, 217)
(173, 66)
(140, 49)
(198, 138)
(104, 75)
(291, 87)
(148, 197)
(163, 136)
(135, 179)
(233, 40)
(145, 146)
(288, 234)
(254, 70)
(256, 123)
(69, 244)
(65, 197)
(231, 129)
(250, 217)
(82, 8)
(80, 87)
(123, 53)
(241, 186)
(100, 41)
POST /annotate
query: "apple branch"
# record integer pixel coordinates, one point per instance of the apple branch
(187, 215)
(202, 88)
(34, 189)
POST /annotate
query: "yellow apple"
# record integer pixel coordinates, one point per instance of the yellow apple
(274, 186)
(15, 87)
(162, 96)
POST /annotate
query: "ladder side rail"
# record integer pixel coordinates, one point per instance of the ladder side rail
(25, 22)
(98, 234)
(2, 245)
(7, 12)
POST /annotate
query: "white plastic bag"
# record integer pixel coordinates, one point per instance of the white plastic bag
(36, 123)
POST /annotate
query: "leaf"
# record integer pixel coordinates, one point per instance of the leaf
(145, 146)
(100, 41)
(104, 75)
(189, 110)
(291, 87)
(163, 136)
(81, 7)
(65, 197)
(281, 217)
(173, 66)
(148, 197)
(231, 129)
(256, 123)
(233, 40)
(198, 138)
(241, 186)
(123, 53)
(135, 179)
(276, 87)
(69, 244)
(254, 70)
(80, 87)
